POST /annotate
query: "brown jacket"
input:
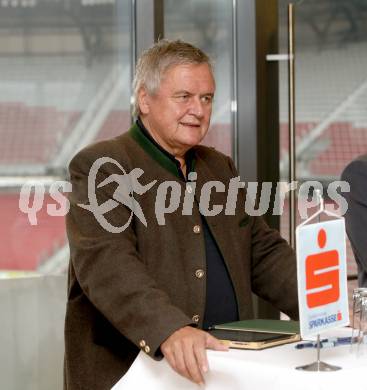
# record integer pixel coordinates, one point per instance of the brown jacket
(131, 290)
(356, 216)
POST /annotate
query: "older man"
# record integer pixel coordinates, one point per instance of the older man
(356, 217)
(149, 282)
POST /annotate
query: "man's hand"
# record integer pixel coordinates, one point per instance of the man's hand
(185, 352)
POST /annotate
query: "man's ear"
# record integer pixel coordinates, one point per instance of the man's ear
(143, 101)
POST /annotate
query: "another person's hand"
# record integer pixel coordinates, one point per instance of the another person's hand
(185, 351)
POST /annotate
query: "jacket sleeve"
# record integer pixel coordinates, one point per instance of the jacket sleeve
(273, 265)
(356, 216)
(109, 270)
(274, 268)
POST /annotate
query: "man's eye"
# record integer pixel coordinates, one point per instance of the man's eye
(183, 97)
(207, 99)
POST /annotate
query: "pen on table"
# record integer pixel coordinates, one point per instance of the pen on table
(330, 342)
(311, 344)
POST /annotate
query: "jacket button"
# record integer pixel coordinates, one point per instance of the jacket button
(197, 229)
(196, 318)
(147, 349)
(142, 343)
(199, 273)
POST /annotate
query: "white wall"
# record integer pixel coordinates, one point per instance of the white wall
(31, 333)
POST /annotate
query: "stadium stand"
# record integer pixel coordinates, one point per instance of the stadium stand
(344, 143)
(32, 134)
(52, 105)
(339, 143)
(26, 247)
(115, 123)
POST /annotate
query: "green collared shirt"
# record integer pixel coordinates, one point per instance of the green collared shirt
(140, 133)
(219, 283)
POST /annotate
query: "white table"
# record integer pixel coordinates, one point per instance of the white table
(272, 369)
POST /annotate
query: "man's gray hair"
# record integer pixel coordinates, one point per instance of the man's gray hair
(156, 60)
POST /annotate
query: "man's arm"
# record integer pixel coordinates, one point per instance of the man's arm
(110, 271)
(114, 278)
(185, 351)
(274, 268)
(356, 216)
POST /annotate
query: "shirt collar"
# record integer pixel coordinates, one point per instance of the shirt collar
(189, 156)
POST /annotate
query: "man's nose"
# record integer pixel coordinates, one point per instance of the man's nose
(196, 107)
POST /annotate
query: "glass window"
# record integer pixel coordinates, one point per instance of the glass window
(331, 92)
(208, 24)
(65, 82)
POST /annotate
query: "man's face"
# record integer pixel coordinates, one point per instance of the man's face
(178, 114)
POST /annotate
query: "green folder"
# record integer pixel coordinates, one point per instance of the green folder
(259, 325)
